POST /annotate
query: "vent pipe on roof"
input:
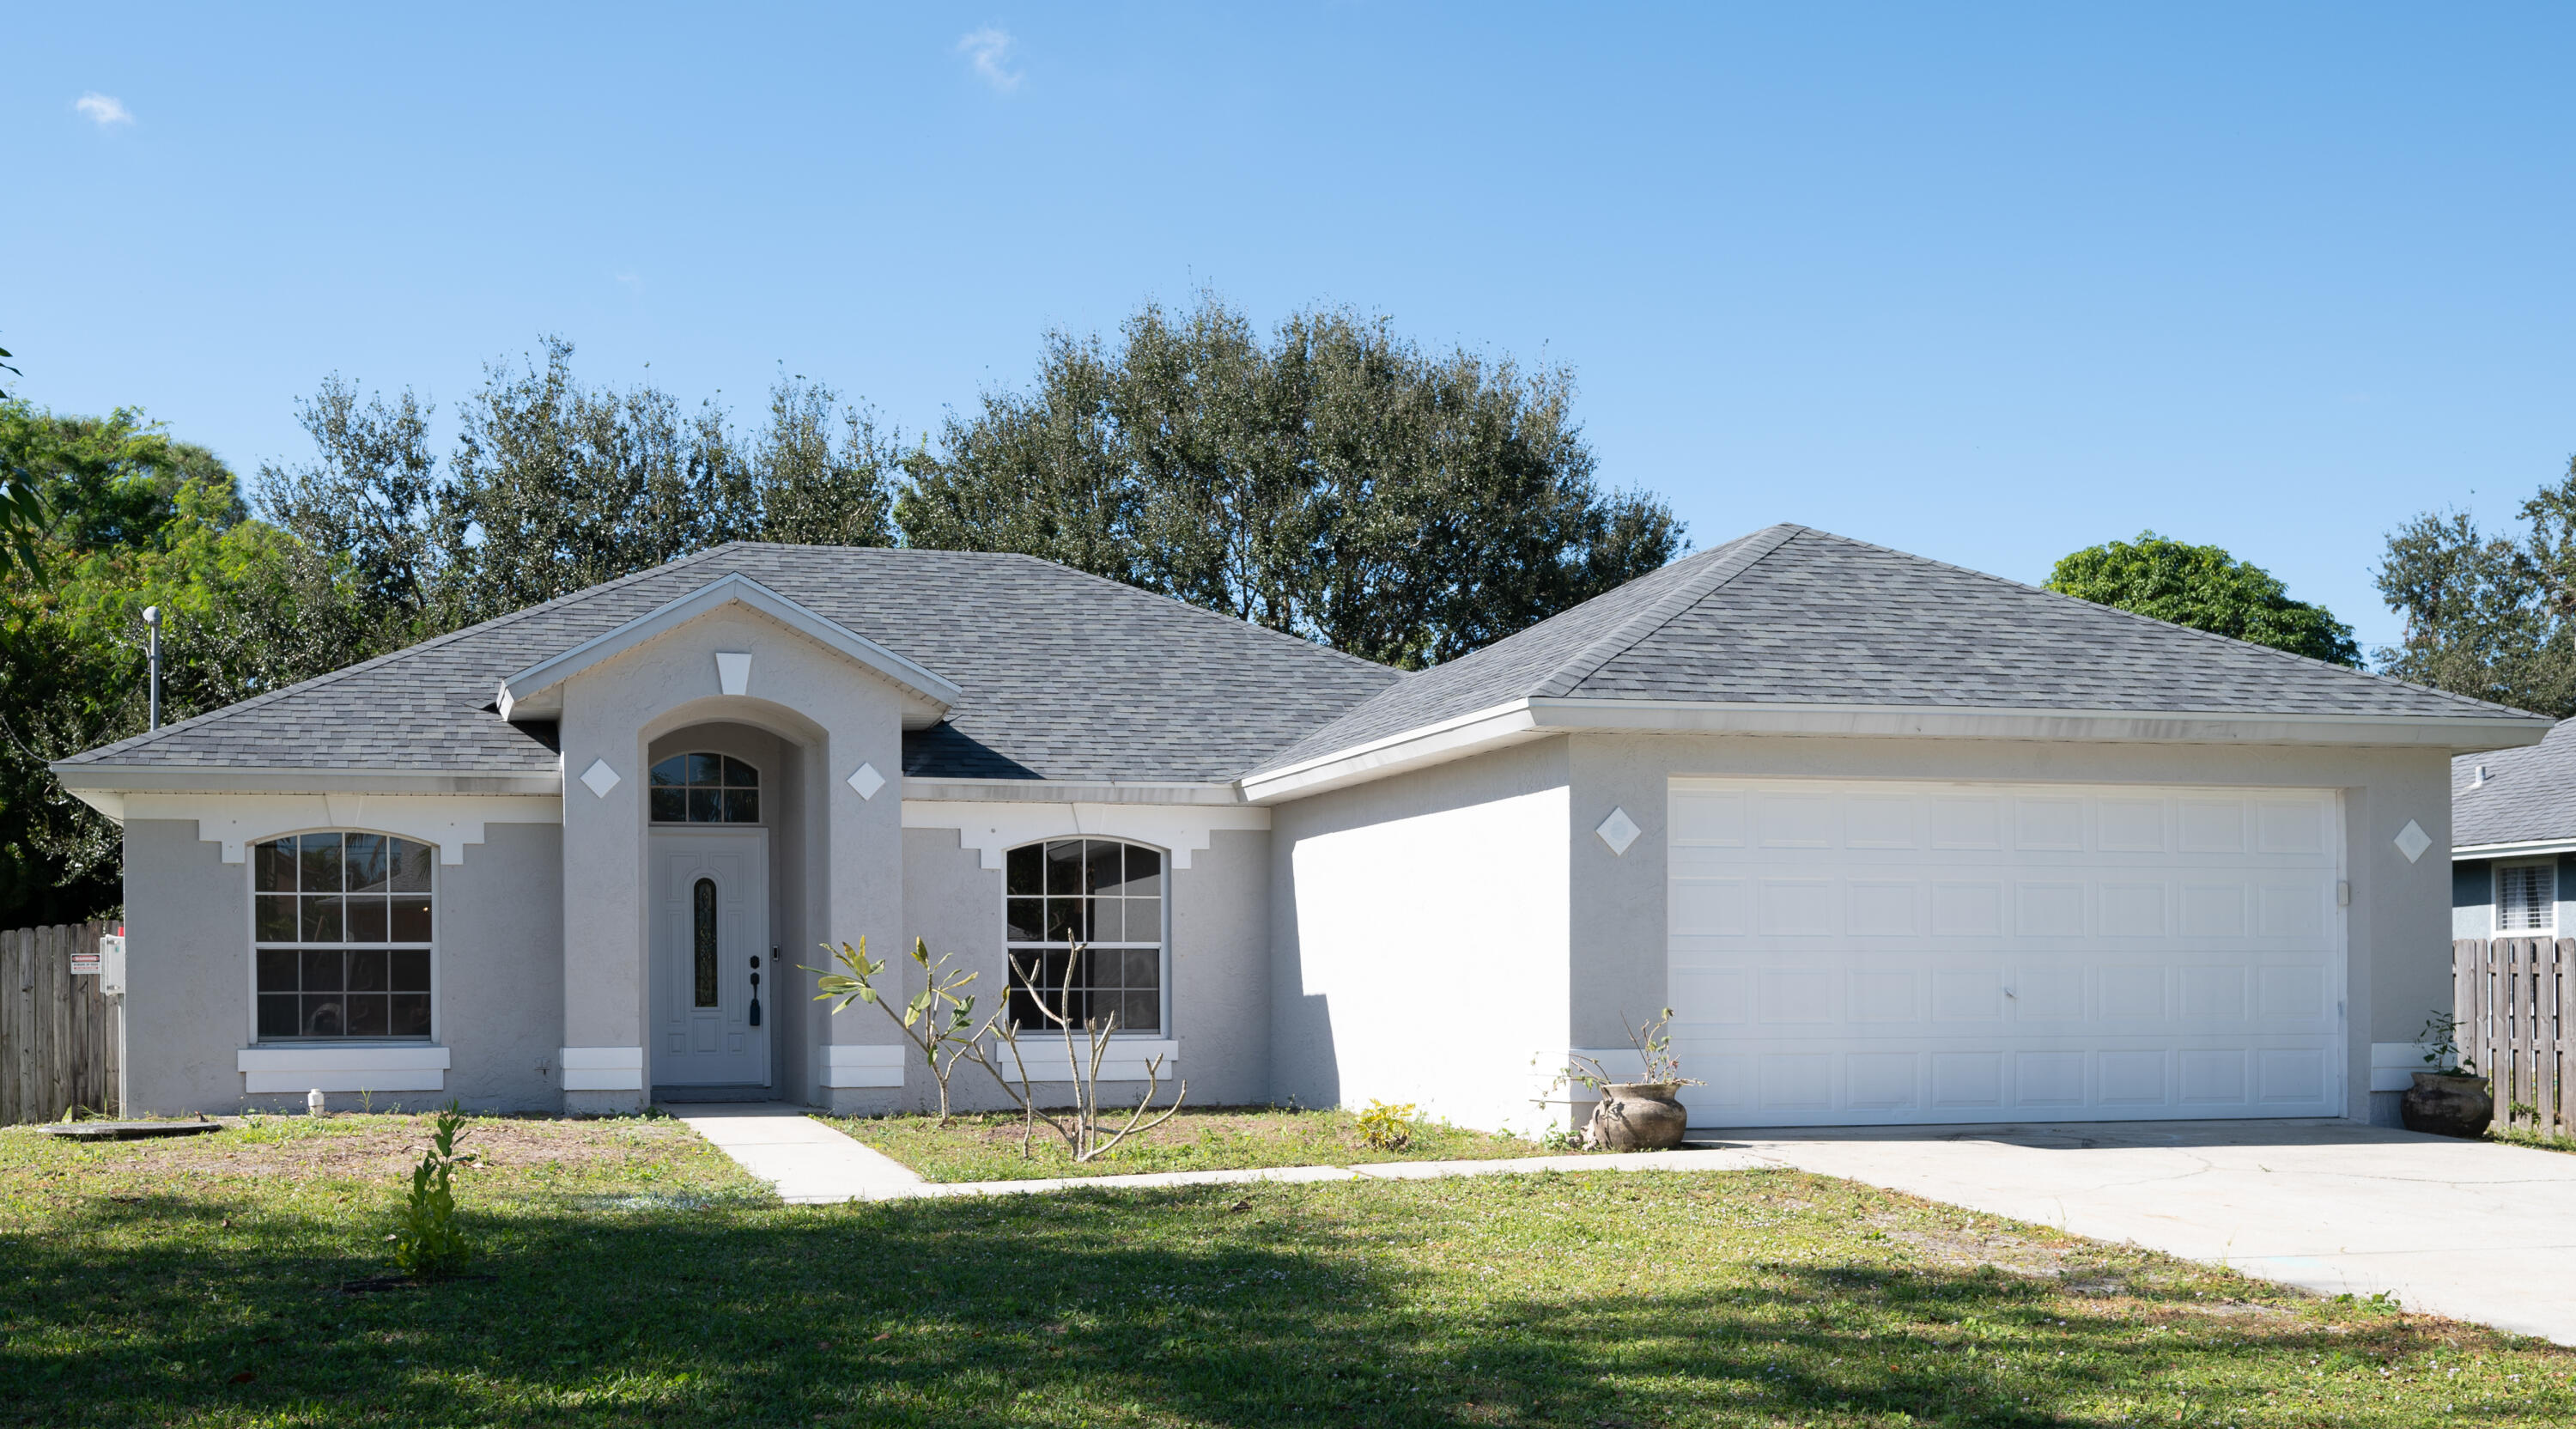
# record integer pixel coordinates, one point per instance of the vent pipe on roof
(2478, 777)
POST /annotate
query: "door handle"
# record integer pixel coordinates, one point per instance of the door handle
(755, 988)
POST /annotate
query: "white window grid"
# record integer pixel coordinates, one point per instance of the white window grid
(2526, 897)
(430, 947)
(1155, 909)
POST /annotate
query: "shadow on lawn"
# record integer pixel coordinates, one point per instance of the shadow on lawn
(1168, 1307)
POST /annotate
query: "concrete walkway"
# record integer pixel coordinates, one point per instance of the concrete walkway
(809, 1163)
(2456, 1228)
(2465, 1229)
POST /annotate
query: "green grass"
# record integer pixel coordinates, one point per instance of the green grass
(2533, 1138)
(639, 1280)
(986, 1146)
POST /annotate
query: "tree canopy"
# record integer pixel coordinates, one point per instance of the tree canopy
(1332, 480)
(1335, 481)
(2207, 589)
(2491, 616)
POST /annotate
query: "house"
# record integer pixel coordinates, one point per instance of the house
(2513, 840)
(1897, 841)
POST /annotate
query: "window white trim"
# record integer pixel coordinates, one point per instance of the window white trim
(362, 1067)
(2536, 899)
(437, 961)
(1163, 947)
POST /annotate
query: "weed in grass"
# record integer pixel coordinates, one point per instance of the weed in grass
(427, 1241)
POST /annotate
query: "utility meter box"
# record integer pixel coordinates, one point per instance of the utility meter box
(111, 963)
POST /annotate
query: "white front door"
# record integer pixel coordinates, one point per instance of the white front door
(1871, 952)
(710, 941)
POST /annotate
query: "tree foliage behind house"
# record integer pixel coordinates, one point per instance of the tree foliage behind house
(1333, 480)
(2207, 589)
(2489, 615)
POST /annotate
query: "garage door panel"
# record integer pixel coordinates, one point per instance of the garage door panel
(1885, 952)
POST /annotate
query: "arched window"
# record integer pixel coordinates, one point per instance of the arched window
(705, 789)
(1104, 897)
(340, 933)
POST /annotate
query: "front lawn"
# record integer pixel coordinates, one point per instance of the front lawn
(986, 1146)
(638, 1279)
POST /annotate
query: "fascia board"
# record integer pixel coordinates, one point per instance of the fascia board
(2528, 848)
(546, 674)
(92, 783)
(1520, 720)
(2454, 734)
(1491, 728)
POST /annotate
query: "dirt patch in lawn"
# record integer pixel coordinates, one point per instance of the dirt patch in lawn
(367, 1147)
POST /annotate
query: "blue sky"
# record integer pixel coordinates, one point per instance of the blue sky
(1986, 283)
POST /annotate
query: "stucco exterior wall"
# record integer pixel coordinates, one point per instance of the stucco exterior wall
(838, 715)
(1219, 940)
(187, 971)
(187, 1010)
(500, 994)
(1421, 940)
(2398, 925)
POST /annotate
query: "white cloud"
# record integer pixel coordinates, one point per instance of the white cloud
(108, 110)
(989, 50)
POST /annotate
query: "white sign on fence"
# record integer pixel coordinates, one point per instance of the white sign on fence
(86, 964)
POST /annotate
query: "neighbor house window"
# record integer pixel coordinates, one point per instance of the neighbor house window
(705, 789)
(1083, 927)
(2527, 898)
(340, 933)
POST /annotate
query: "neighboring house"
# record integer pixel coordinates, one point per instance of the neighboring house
(1899, 842)
(2513, 840)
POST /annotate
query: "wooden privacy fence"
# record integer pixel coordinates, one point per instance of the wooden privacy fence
(57, 1030)
(2515, 999)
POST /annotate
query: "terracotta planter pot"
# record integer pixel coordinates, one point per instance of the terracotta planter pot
(2448, 1104)
(1638, 1116)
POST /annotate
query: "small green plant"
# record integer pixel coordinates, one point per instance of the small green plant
(2442, 1052)
(940, 1016)
(1387, 1127)
(427, 1242)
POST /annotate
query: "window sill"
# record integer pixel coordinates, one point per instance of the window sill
(358, 1067)
(1123, 1061)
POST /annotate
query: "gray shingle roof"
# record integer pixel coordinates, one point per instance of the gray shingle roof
(2529, 794)
(1792, 615)
(1067, 676)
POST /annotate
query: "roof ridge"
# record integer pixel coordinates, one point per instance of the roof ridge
(2194, 631)
(148, 738)
(1726, 563)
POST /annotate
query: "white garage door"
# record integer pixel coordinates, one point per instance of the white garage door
(1874, 952)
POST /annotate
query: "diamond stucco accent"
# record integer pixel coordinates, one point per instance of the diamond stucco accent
(866, 780)
(1618, 831)
(600, 777)
(2412, 841)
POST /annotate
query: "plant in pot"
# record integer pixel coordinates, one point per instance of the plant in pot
(2452, 1098)
(1634, 1113)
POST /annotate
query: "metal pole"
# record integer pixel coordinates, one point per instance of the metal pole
(152, 653)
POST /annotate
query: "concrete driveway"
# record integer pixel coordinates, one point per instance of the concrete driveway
(2457, 1228)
